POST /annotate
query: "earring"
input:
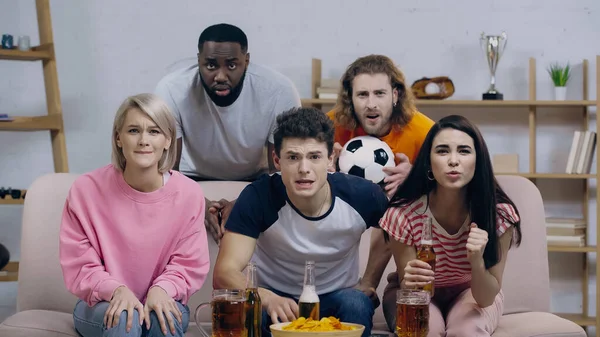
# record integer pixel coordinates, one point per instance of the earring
(430, 175)
(395, 103)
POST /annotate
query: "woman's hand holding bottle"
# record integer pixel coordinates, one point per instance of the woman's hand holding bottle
(417, 274)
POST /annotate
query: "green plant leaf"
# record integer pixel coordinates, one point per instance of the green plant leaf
(560, 75)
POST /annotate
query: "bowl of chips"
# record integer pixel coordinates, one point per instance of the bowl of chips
(325, 327)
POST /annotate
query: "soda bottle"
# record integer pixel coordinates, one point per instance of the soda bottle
(309, 304)
(253, 303)
(425, 252)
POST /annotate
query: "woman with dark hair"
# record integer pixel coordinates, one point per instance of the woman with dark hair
(473, 221)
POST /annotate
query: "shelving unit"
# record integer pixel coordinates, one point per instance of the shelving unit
(53, 120)
(531, 105)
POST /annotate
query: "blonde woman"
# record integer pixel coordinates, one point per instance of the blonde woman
(133, 245)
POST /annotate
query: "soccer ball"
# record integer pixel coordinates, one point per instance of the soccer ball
(365, 156)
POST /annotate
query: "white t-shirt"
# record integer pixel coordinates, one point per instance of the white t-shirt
(286, 238)
(227, 143)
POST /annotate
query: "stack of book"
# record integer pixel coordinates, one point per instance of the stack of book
(565, 232)
(329, 88)
(582, 152)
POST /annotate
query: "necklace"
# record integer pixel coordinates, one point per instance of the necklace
(324, 201)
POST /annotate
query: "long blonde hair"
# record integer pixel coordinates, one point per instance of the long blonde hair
(158, 111)
(374, 64)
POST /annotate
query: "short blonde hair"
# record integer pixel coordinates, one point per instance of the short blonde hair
(158, 111)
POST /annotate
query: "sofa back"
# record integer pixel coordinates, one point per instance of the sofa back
(526, 280)
(41, 284)
(526, 283)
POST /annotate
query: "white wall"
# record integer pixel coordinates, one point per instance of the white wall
(109, 49)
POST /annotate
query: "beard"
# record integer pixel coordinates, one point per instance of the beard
(224, 101)
(379, 130)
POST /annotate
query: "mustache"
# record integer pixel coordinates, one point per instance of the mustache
(220, 86)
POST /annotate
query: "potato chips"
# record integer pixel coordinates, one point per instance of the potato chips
(325, 324)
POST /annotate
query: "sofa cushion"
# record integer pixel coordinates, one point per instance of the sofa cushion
(43, 323)
(33, 323)
(537, 324)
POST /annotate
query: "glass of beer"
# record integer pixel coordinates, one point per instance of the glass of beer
(412, 312)
(228, 313)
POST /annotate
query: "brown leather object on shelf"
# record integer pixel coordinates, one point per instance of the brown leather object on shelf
(444, 83)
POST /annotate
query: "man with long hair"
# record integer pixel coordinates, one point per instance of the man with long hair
(225, 107)
(374, 100)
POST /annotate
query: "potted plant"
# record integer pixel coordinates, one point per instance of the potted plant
(560, 76)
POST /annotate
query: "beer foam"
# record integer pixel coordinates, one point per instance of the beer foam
(309, 295)
(412, 301)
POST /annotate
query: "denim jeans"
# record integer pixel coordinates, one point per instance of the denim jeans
(89, 322)
(349, 305)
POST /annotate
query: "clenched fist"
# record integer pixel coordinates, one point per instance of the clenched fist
(476, 243)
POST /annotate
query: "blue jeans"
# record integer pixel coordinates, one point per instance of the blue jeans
(89, 322)
(349, 305)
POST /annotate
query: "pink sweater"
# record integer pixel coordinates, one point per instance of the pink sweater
(113, 235)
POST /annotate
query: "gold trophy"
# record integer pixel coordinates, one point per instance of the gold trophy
(493, 47)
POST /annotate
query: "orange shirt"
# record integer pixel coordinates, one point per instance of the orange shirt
(407, 140)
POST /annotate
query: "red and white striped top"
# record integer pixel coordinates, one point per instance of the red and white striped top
(405, 224)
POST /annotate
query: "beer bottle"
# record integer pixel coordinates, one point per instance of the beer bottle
(425, 252)
(309, 304)
(253, 303)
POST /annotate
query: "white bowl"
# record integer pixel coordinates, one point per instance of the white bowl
(277, 331)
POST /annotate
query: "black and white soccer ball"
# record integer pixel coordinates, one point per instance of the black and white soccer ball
(366, 156)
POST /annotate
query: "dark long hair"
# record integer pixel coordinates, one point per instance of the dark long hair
(482, 203)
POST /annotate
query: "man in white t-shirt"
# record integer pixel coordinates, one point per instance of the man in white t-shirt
(225, 107)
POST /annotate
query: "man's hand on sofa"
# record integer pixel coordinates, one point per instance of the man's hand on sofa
(370, 291)
(280, 309)
(211, 220)
(123, 299)
(215, 217)
(226, 207)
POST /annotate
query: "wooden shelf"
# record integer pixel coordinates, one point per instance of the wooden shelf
(310, 101)
(508, 103)
(567, 249)
(10, 272)
(474, 103)
(548, 175)
(52, 121)
(37, 53)
(11, 267)
(8, 277)
(8, 200)
(579, 319)
(48, 122)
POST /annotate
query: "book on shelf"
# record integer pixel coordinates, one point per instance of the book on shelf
(327, 96)
(565, 232)
(582, 151)
(566, 240)
(328, 89)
